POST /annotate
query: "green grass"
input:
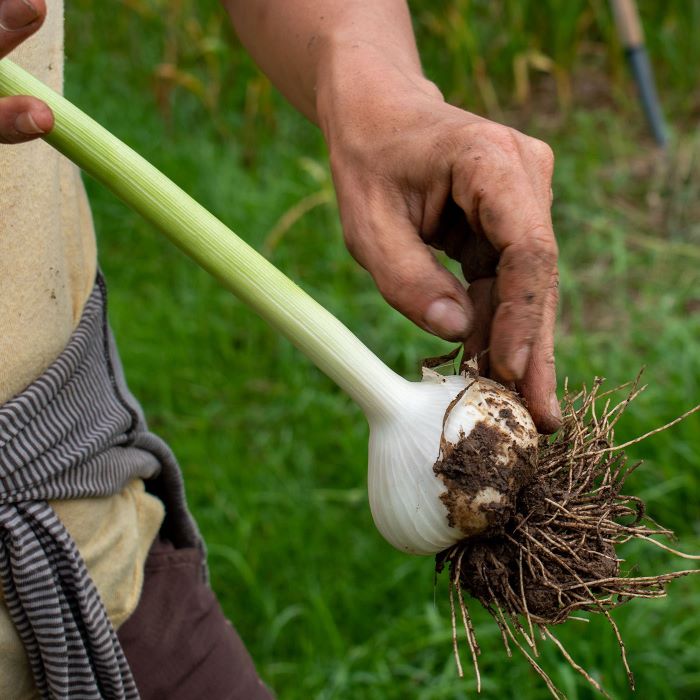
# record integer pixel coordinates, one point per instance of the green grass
(274, 455)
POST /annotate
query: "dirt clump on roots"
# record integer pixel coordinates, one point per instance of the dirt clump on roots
(556, 554)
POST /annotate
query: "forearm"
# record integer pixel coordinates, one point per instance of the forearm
(307, 46)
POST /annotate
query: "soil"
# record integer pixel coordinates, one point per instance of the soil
(475, 464)
(492, 567)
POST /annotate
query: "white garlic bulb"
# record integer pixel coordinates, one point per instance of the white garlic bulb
(436, 475)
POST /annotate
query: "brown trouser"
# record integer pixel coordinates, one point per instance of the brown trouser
(178, 642)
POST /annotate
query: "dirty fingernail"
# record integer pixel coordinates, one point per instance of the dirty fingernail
(518, 362)
(446, 318)
(25, 124)
(555, 408)
(17, 14)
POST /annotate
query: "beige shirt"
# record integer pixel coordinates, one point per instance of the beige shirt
(47, 270)
(47, 244)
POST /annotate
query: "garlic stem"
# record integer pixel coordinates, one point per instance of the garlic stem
(316, 332)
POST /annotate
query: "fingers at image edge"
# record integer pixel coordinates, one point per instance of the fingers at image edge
(23, 119)
(19, 19)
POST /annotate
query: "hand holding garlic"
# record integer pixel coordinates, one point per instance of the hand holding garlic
(414, 173)
(22, 118)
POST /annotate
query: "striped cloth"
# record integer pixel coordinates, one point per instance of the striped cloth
(75, 432)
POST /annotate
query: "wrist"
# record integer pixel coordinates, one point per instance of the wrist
(362, 86)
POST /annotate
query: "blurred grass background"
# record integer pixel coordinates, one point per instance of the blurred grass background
(274, 455)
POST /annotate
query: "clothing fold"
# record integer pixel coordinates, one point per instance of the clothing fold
(75, 432)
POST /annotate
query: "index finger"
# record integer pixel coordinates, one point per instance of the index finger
(19, 19)
(524, 276)
(502, 202)
(539, 384)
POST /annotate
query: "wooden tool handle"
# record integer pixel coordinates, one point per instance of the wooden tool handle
(628, 25)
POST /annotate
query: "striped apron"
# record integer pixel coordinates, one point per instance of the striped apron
(75, 432)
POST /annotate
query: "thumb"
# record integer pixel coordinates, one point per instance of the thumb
(408, 275)
(23, 119)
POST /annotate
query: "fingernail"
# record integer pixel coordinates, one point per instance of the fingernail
(17, 14)
(446, 318)
(555, 408)
(518, 362)
(25, 124)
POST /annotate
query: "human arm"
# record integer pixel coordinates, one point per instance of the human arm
(412, 171)
(21, 118)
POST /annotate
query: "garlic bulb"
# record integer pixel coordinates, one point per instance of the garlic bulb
(436, 475)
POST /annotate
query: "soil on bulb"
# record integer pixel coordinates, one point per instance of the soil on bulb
(474, 464)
